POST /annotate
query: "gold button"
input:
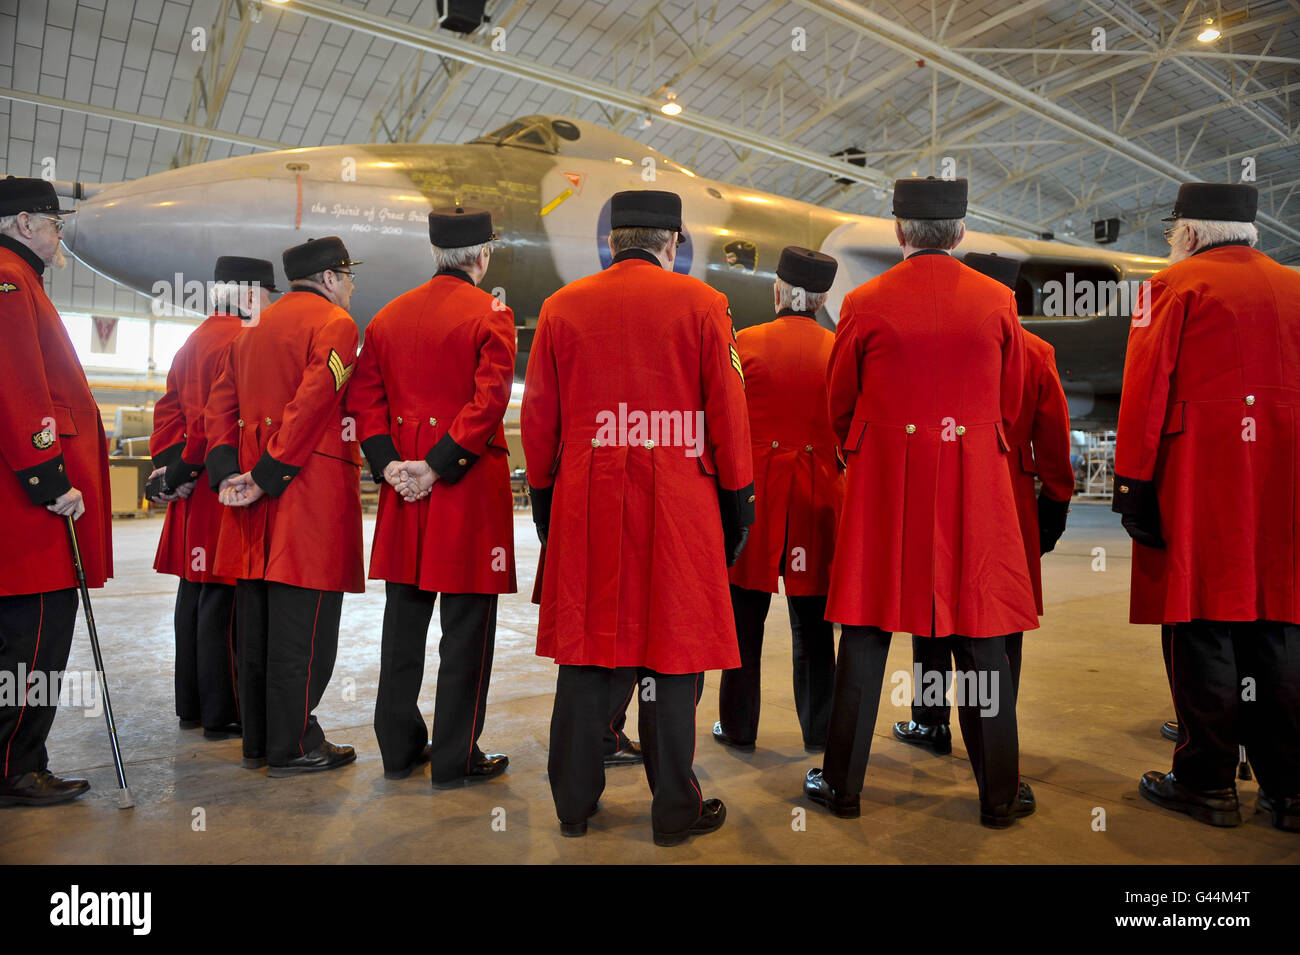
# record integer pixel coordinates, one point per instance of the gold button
(807, 447)
(33, 480)
(399, 419)
(194, 474)
(751, 499)
(462, 462)
(961, 429)
(595, 442)
(433, 421)
(776, 444)
(60, 468)
(241, 422)
(1250, 399)
(268, 421)
(649, 445)
(911, 429)
(285, 478)
(1123, 489)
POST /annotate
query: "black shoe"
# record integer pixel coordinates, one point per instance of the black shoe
(712, 816)
(492, 764)
(229, 731)
(816, 788)
(1169, 730)
(323, 757)
(937, 737)
(421, 758)
(1023, 805)
(575, 829)
(1218, 807)
(629, 755)
(253, 762)
(41, 788)
(190, 724)
(1285, 811)
(725, 740)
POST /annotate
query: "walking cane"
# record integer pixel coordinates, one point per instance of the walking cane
(124, 798)
(1243, 766)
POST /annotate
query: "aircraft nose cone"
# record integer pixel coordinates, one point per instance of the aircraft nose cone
(70, 231)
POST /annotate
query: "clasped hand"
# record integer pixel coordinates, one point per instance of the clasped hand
(411, 479)
(239, 490)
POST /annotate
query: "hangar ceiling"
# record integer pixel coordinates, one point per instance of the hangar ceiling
(1052, 131)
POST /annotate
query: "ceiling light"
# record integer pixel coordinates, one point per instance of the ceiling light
(1210, 33)
(670, 106)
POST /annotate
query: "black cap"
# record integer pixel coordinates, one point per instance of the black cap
(456, 227)
(316, 255)
(237, 268)
(646, 209)
(930, 198)
(1219, 201)
(803, 268)
(29, 195)
(994, 266)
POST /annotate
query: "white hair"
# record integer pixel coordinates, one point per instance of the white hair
(801, 300)
(9, 223)
(462, 257)
(1215, 231)
(931, 233)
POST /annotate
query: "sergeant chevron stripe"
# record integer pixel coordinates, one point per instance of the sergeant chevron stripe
(341, 372)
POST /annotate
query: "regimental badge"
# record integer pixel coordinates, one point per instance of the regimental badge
(735, 363)
(42, 439)
(340, 371)
(8, 287)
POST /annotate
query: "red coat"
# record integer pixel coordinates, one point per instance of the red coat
(635, 571)
(926, 376)
(1211, 413)
(798, 470)
(188, 544)
(433, 382)
(277, 410)
(51, 440)
(1040, 443)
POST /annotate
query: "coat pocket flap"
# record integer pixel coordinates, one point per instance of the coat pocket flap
(1002, 438)
(64, 421)
(856, 430)
(1027, 462)
(559, 453)
(1174, 418)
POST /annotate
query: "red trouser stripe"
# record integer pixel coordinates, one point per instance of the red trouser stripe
(26, 684)
(306, 696)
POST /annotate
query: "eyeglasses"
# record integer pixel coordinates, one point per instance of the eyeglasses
(351, 275)
(1169, 233)
(58, 223)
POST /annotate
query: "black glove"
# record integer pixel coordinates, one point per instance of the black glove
(1136, 500)
(1051, 522)
(737, 510)
(541, 499)
(156, 487)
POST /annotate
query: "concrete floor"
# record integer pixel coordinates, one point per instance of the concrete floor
(1093, 697)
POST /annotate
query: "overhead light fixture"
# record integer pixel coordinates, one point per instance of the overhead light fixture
(670, 106)
(1209, 33)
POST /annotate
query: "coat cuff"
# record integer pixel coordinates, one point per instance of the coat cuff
(737, 508)
(45, 481)
(222, 462)
(1051, 521)
(273, 476)
(1132, 496)
(450, 460)
(167, 457)
(181, 472)
(380, 452)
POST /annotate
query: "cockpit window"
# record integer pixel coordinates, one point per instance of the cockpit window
(530, 132)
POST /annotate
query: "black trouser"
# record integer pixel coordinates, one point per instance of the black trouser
(667, 726)
(205, 654)
(934, 655)
(621, 691)
(469, 624)
(989, 732)
(1236, 683)
(813, 642)
(35, 637)
(287, 640)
